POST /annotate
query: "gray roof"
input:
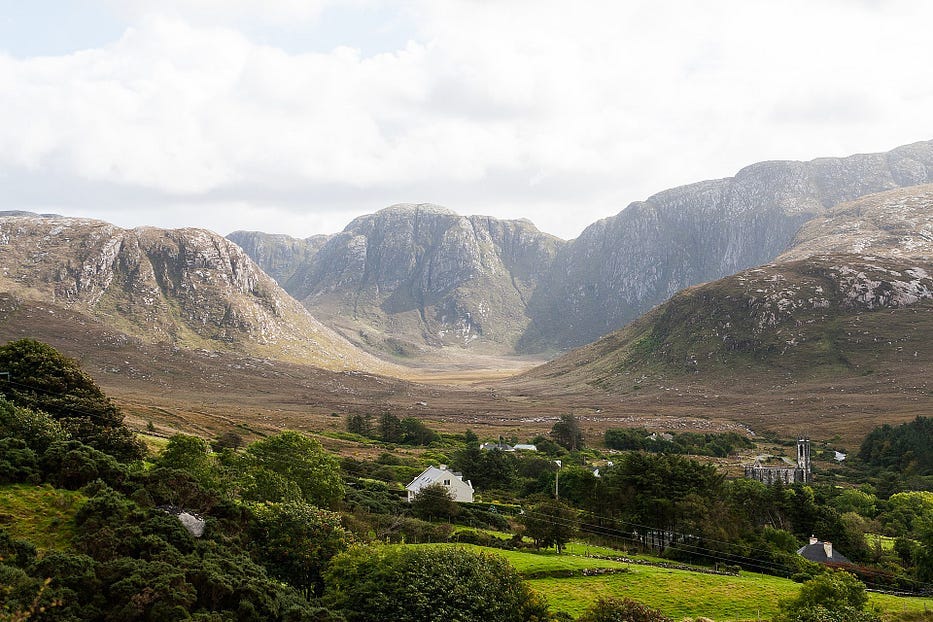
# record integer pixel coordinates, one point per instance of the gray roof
(817, 553)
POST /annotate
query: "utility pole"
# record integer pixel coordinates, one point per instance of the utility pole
(557, 481)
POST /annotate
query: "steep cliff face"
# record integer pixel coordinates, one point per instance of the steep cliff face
(282, 257)
(186, 286)
(416, 275)
(622, 266)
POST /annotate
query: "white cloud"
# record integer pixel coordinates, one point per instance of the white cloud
(224, 11)
(511, 108)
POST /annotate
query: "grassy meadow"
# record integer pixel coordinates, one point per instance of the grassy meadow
(677, 593)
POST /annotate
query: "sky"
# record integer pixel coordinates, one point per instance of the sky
(295, 116)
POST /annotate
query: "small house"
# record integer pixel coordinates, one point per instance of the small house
(822, 552)
(459, 489)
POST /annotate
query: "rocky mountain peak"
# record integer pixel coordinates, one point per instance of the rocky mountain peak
(185, 286)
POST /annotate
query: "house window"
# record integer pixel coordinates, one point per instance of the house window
(447, 482)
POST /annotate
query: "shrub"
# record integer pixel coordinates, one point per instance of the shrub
(429, 584)
(621, 610)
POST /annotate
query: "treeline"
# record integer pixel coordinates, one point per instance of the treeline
(388, 428)
(686, 443)
(906, 448)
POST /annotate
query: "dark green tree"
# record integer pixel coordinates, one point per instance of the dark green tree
(429, 584)
(359, 424)
(414, 432)
(295, 541)
(390, 428)
(434, 502)
(567, 433)
(43, 379)
(551, 523)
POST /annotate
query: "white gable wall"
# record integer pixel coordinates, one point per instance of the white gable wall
(459, 489)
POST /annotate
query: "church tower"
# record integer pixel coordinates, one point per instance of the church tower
(803, 460)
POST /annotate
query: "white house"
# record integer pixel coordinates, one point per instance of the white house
(459, 489)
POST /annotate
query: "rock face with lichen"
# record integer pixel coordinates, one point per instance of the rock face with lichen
(622, 266)
(189, 287)
(282, 257)
(415, 275)
(853, 296)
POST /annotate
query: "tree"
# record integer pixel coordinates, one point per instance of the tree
(288, 463)
(429, 584)
(832, 595)
(551, 523)
(359, 424)
(390, 428)
(37, 429)
(433, 502)
(192, 455)
(567, 433)
(43, 379)
(621, 610)
(295, 541)
(414, 432)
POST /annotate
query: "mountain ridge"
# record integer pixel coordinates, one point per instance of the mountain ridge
(575, 291)
(189, 287)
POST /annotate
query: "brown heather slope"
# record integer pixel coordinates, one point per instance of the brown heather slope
(208, 392)
(824, 347)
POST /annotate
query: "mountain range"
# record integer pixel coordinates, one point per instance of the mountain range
(767, 297)
(416, 277)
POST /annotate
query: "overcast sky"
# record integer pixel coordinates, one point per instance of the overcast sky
(294, 116)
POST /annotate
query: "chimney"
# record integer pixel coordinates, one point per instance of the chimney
(828, 549)
(442, 467)
(813, 540)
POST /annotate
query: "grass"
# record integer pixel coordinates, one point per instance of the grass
(155, 445)
(677, 593)
(40, 514)
(885, 542)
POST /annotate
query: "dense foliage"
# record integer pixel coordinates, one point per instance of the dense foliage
(429, 584)
(829, 597)
(639, 439)
(907, 448)
(42, 379)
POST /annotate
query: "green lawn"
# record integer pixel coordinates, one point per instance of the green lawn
(40, 514)
(678, 593)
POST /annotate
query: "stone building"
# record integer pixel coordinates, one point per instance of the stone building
(787, 473)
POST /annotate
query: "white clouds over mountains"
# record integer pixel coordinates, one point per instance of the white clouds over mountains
(511, 108)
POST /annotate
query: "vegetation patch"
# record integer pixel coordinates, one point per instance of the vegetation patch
(40, 514)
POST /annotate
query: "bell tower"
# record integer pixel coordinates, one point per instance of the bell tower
(803, 460)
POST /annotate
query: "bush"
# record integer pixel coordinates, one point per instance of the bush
(294, 541)
(621, 610)
(828, 597)
(429, 584)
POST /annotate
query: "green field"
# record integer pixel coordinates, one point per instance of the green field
(678, 593)
(40, 514)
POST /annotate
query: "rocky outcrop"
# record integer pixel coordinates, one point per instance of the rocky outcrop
(280, 256)
(189, 287)
(411, 275)
(622, 266)
(898, 223)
